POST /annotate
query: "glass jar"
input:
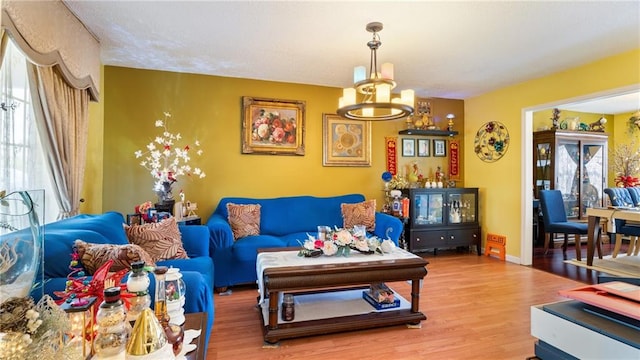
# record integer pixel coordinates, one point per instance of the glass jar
(288, 308)
(175, 289)
(21, 240)
(138, 284)
(113, 329)
(160, 305)
(174, 332)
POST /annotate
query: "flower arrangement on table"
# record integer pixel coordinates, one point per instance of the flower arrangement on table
(167, 159)
(340, 242)
(626, 164)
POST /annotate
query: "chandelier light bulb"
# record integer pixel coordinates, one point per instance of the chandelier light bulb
(359, 74)
(387, 71)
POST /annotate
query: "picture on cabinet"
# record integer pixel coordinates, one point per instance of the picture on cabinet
(134, 219)
(440, 148)
(408, 147)
(423, 147)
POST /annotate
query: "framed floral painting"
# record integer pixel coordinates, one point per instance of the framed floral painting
(345, 142)
(272, 126)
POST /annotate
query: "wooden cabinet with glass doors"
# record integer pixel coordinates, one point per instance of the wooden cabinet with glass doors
(443, 218)
(574, 162)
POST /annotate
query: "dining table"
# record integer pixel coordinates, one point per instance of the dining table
(594, 215)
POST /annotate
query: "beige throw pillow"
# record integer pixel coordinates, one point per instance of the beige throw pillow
(363, 213)
(162, 240)
(244, 219)
(92, 256)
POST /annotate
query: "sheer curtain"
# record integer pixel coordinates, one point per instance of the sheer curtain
(22, 164)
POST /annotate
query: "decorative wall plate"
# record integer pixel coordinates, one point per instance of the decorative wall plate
(492, 141)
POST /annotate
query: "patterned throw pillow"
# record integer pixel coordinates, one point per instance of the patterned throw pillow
(244, 219)
(162, 240)
(92, 256)
(363, 213)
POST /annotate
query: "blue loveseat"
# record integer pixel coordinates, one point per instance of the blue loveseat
(107, 228)
(284, 222)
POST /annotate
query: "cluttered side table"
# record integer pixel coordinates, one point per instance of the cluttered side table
(190, 220)
(197, 321)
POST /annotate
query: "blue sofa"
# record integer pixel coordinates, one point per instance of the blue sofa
(107, 228)
(284, 222)
(626, 197)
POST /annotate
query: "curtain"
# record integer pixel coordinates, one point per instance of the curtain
(3, 43)
(60, 95)
(61, 113)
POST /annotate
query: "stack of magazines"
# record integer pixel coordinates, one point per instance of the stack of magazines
(380, 296)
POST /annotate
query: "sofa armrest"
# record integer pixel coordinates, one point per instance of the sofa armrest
(388, 226)
(220, 233)
(195, 240)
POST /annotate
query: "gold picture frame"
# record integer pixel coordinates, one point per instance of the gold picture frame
(345, 142)
(273, 126)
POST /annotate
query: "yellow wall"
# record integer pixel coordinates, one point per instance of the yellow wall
(542, 119)
(500, 182)
(209, 108)
(92, 189)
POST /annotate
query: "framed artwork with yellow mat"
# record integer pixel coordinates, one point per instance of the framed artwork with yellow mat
(345, 142)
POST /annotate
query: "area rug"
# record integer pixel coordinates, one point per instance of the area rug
(622, 265)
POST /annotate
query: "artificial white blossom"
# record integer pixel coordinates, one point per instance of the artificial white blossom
(167, 159)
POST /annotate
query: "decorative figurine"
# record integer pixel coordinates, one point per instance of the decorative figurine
(450, 123)
(439, 174)
(598, 125)
(555, 118)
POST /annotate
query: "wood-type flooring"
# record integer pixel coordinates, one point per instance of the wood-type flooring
(477, 307)
(553, 261)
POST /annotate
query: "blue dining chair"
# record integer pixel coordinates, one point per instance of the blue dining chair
(625, 197)
(556, 222)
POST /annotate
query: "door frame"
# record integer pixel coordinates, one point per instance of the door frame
(526, 171)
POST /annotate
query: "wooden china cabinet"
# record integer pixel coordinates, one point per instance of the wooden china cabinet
(574, 162)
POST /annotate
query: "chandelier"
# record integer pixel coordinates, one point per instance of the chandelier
(370, 98)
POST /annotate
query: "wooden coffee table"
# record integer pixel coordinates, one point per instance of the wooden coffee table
(320, 279)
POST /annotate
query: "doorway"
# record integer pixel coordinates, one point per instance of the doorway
(526, 231)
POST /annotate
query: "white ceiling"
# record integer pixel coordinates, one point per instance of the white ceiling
(450, 49)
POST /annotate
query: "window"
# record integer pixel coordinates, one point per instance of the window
(22, 163)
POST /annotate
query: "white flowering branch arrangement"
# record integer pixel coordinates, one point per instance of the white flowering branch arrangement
(167, 159)
(626, 164)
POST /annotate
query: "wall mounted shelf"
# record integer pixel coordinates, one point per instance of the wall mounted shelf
(427, 132)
